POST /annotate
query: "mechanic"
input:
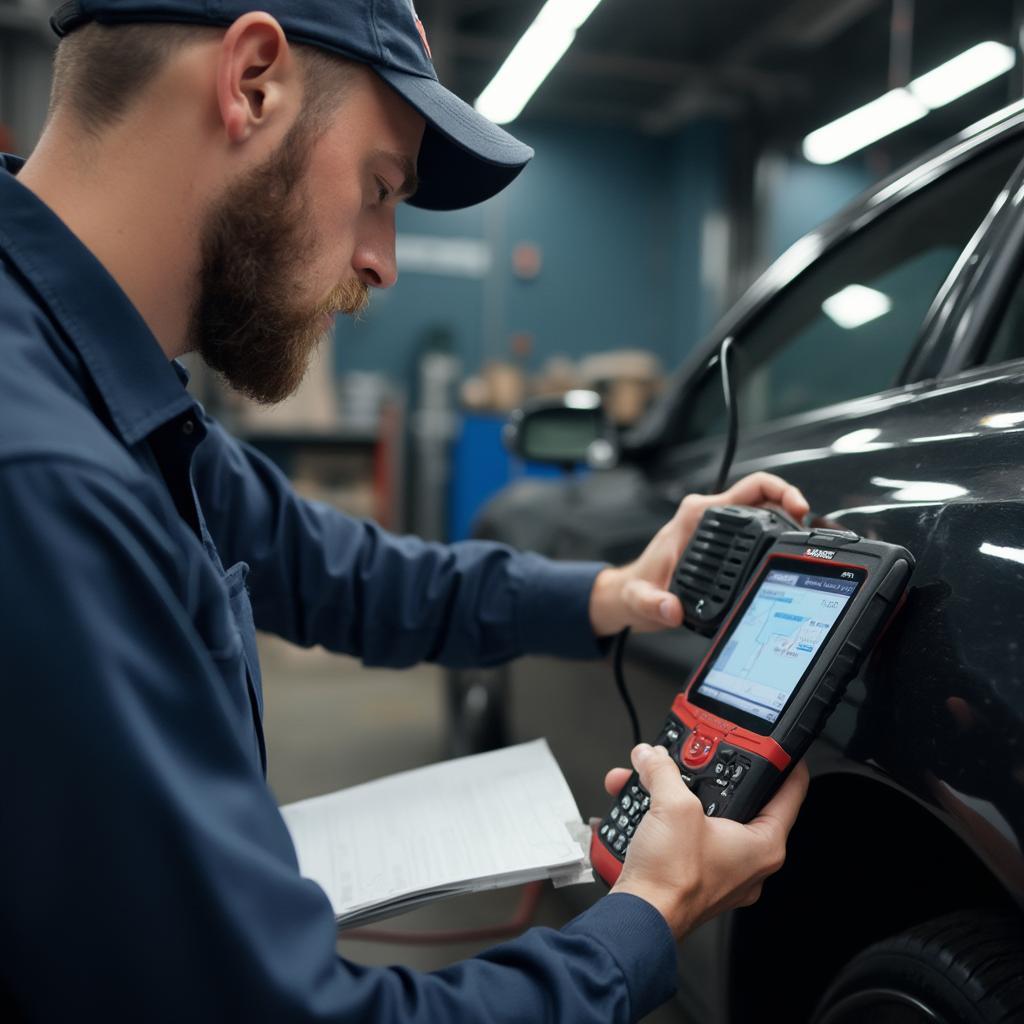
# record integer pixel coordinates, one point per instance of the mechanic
(204, 182)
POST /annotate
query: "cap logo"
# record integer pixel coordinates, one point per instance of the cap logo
(422, 31)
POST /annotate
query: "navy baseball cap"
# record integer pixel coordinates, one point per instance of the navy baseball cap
(464, 158)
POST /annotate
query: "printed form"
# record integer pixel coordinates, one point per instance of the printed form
(481, 822)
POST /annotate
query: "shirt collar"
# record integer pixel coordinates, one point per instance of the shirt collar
(138, 383)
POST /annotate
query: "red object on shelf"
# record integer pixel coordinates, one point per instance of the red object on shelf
(387, 465)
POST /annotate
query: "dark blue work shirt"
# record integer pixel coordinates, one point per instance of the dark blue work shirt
(145, 871)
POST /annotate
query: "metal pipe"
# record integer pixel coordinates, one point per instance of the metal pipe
(901, 43)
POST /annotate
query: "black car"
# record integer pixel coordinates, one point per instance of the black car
(881, 370)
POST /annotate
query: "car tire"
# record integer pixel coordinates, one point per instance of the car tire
(964, 968)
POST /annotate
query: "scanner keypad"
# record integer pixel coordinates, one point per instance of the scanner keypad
(714, 783)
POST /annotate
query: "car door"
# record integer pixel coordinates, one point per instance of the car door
(955, 737)
(858, 411)
(815, 396)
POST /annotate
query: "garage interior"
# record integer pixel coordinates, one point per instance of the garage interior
(678, 157)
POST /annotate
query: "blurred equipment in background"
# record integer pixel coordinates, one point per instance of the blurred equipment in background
(361, 397)
(623, 382)
(627, 380)
(340, 439)
(558, 375)
(500, 387)
(434, 426)
(313, 407)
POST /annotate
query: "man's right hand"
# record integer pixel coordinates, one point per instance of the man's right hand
(690, 867)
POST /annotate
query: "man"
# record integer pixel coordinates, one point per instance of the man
(203, 183)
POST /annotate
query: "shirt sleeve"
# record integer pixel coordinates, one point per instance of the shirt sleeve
(321, 577)
(146, 872)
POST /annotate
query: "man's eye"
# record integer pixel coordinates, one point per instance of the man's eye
(383, 192)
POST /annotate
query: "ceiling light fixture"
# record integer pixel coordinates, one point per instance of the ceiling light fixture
(861, 127)
(973, 68)
(532, 58)
(900, 107)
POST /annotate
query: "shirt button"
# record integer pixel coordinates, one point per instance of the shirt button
(187, 427)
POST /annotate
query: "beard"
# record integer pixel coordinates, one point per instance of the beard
(255, 240)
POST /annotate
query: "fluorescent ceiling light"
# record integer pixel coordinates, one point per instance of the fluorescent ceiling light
(861, 127)
(974, 67)
(856, 305)
(532, 58)
(900, 107)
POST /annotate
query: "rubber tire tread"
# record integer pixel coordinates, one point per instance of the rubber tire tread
(974, 960)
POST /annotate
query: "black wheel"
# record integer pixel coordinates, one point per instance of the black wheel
(965, 968)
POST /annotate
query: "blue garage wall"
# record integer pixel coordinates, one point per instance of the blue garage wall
(698, 194)
(621, 221)
(618, 218)
(593, 201)
(798, 196)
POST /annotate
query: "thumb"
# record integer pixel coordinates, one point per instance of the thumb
(615, 780)
(658, 773)
(650, 606)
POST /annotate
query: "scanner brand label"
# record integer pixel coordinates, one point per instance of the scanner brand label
(820, 553)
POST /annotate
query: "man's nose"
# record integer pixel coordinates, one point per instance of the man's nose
(374, 261)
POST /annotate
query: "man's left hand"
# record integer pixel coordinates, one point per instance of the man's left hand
(635, 595)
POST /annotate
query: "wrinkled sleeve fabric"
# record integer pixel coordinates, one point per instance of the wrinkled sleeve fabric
(147, 874)
(321, 577)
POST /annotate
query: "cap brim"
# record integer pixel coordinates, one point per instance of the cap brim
(464, 158)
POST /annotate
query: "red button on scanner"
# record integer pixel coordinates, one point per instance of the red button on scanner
(698, 750)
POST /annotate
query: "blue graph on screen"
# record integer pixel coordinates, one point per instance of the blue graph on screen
(775, 641)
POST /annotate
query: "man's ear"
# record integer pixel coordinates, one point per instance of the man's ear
(257, 79)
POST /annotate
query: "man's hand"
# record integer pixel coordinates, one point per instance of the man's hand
(635, 595)
(689, 867)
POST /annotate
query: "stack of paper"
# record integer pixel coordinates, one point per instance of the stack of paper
(480, 822)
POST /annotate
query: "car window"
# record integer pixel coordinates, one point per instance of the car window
(1008, 341)
(846, 326)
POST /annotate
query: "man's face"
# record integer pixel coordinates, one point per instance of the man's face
(303, 237)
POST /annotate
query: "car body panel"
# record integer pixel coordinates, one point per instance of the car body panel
(931, 733)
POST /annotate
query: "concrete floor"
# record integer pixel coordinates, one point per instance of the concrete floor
(331, 723)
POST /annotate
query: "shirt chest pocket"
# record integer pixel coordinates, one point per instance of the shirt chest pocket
(226, 624)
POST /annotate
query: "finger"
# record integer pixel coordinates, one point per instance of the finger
(650, 605)
(751, 895)
(762, 488)
(777, 816)
(615, 780)
(659, 775)
(794, 502)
